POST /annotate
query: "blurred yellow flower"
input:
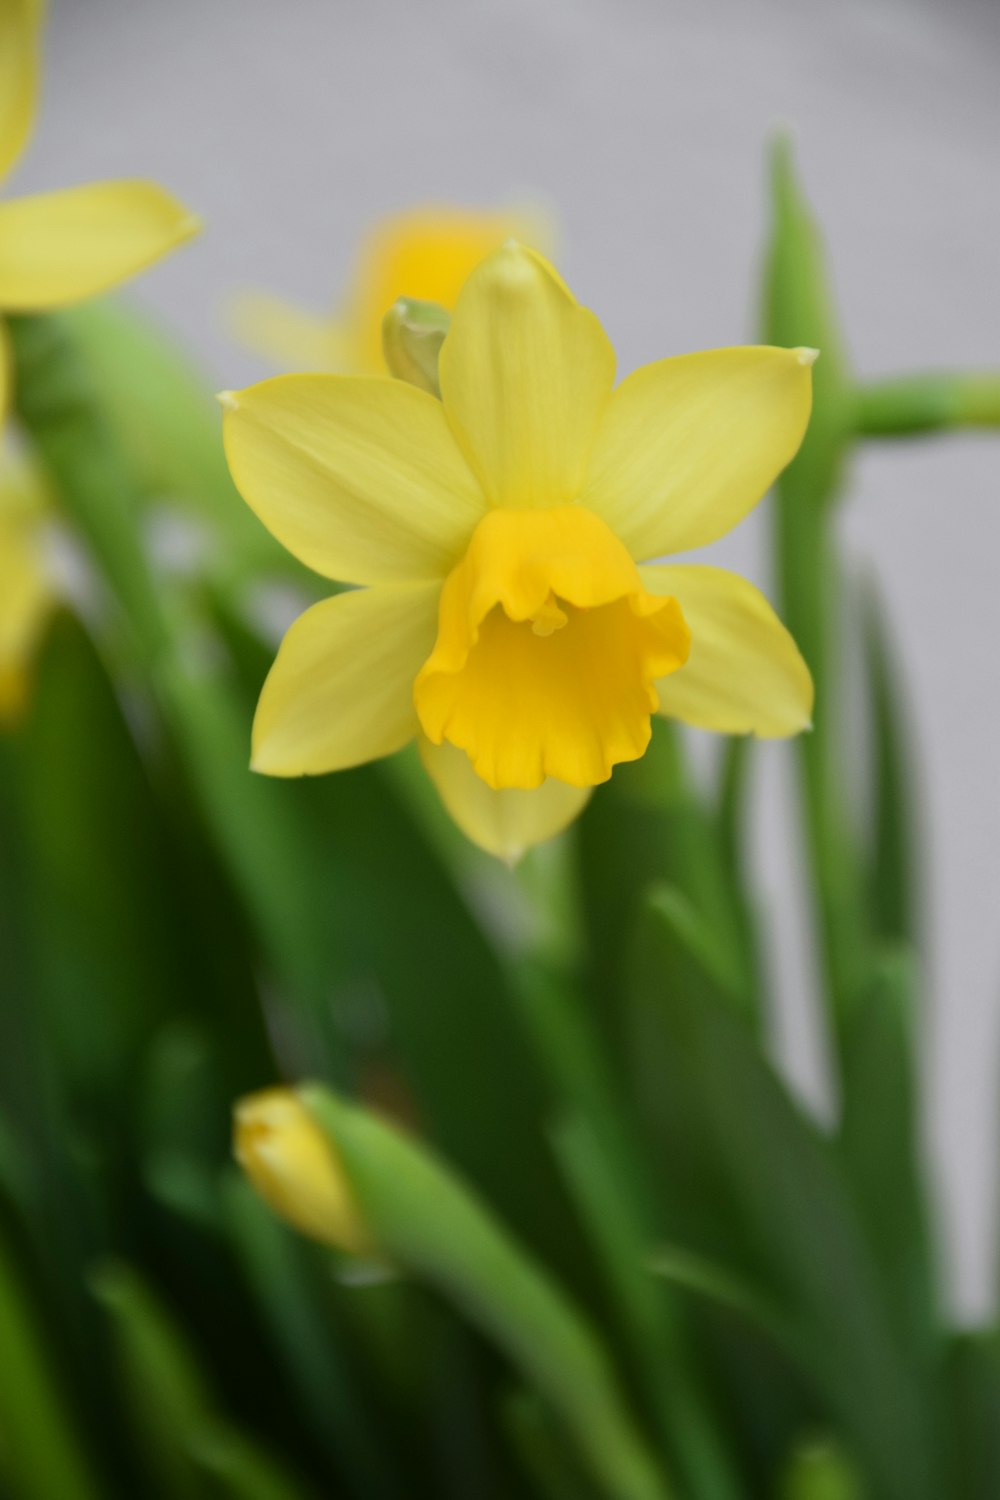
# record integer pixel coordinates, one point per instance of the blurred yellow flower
(58, 248)
(25, 594)
(426, 253)
(293, 1167)
(508, 617)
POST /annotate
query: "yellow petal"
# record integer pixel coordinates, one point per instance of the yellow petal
(427, 253)
(359, 478)
(25, 603)
(689, 445)
(744, 674)
(341, 688)
(525, 376)
(57, 248)
(547, 651)
(507, 822)
(19, 28)
(290, 336)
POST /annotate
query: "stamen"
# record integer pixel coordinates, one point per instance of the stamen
(549, 618)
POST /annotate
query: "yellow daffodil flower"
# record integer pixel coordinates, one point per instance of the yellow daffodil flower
(58, 248)
(509, 617)
(25, 593)
(425, 253)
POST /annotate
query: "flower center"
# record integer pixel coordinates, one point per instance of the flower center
(548, 650)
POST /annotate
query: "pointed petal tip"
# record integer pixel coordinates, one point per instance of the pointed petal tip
(228, 400)
(189, 226)
(806, 357)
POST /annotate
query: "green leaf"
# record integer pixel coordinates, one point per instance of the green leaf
(751, 1184)
(430, 1224)
(798, 311)
(187, 1449)
(648, 825)
(895, 894)
(820, 1470)
(291, 1297)
(543, 1455)
(162, 1385)
(104, 910)
(881, 1148)
(650, 1326)
(973, 1378)
(41, 1452)
(242, 1470)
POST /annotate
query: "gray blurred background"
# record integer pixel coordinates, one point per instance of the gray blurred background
(291, 124)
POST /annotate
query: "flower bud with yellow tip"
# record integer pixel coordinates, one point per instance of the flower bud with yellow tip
(293, 1166)
(412, 335)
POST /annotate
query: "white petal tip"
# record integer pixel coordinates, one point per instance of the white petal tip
(806, 357)
(189, 226)
(228, 400)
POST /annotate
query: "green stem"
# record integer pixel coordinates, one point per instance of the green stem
(809, 584)
(908, 405)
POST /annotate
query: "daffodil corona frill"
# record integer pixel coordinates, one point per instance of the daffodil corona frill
(426, 253)
(58, 248)
(507, 616)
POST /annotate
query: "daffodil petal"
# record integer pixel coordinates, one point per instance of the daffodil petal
(689, 445)
(58, 248)
(340, 691)
(359, 478)
(288, 335)
(744, 674)
(19, 27)
(504, 823)
(525, 376)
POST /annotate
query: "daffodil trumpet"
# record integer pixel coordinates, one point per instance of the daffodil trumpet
(511, 612)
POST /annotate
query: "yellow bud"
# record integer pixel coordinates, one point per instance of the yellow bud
(296, 1171)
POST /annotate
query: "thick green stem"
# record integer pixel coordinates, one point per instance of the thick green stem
(809, 584)
(912, 404)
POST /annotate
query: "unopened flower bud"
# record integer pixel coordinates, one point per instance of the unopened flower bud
(412, 335)
(295, 1169)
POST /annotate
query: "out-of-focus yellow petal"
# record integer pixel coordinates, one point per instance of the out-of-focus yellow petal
(427, 253)
(25, 602)
(291, 336)
(359, 478)
(744, 674)
(58, 248)
(341, 689)
(504, 823)
(689, 445)
(20, 21)
(526, 374)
